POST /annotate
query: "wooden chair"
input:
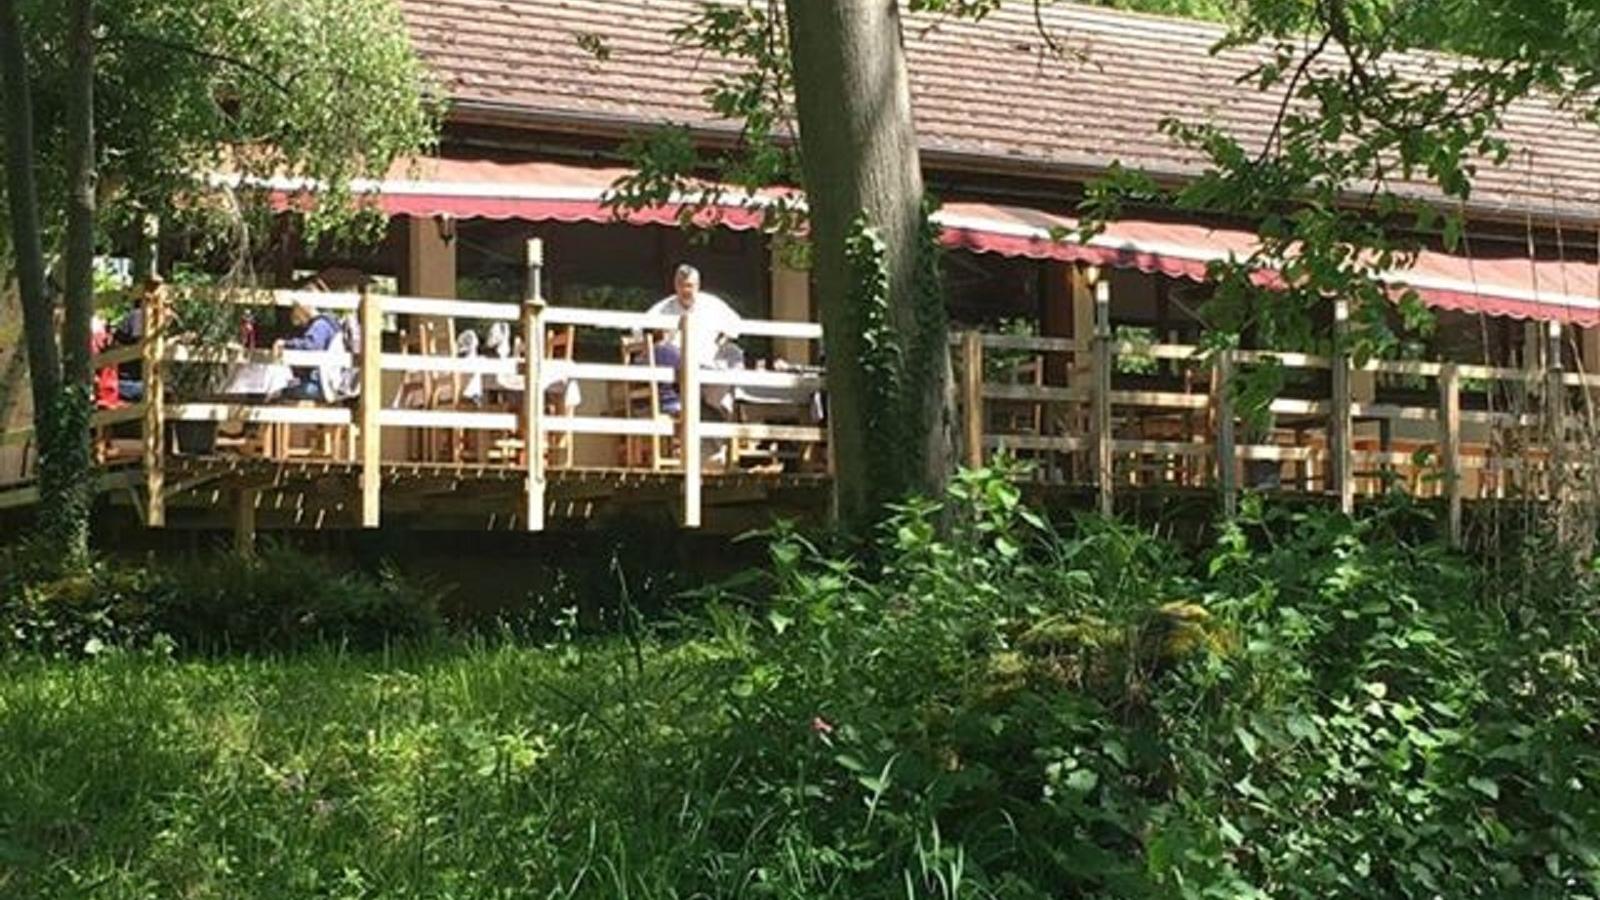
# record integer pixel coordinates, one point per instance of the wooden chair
(642, 400)
(1024, 417)
(333, 442)
(558, 346)
(422, 389)
(446, 444)
(416, 385)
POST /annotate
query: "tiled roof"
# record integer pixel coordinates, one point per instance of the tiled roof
(990, 94)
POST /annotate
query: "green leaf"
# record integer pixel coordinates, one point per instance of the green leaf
(1082, 780)
(1247, 740)
(1301, 727)
(1485, 786)
(779, 622)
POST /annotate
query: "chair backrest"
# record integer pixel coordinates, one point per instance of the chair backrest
(558, 343)
(1029, 372)
(640, 352)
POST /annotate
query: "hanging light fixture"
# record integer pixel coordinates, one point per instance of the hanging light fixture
(446, 224)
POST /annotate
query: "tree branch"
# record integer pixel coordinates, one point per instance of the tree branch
(270, 78)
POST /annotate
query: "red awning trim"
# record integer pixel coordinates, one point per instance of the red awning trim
(541, 192)
(1567, 292)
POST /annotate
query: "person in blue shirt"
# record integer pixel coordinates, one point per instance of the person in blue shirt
(667, 355)
(317, 332)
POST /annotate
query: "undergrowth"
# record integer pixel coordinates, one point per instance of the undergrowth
(990, 708)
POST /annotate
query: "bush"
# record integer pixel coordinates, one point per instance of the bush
(285, 600)
(46, 613)
(279, 601)
(1325, 708)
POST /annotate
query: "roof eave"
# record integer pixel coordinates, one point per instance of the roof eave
(1060, 168)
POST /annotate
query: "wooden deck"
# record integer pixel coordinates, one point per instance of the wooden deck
(1094, 413)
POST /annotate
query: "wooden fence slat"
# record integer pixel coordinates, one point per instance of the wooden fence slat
(533, 433)
(1339, 423)
(1104, 473)
(1226, 461)
(369, 427)
(1450, 442)
(690, 436)
(972, 396)
(155, 398)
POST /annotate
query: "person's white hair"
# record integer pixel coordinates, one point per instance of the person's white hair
(684, 272)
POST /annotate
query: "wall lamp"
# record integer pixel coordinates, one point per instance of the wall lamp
(446, 224)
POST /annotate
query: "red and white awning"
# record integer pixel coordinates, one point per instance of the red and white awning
(540, 191)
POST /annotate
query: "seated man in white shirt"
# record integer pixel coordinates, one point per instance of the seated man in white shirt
(714, 324)
(714, 320)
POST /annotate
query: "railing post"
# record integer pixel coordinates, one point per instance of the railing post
(1227, 463)
(689, 423)
(154, 348)
(1450, 446)
(972, 395)
(1339, 424)
(532, 417)
(1104, 469)
(370, 315)
(244, 521)
(1555, 409)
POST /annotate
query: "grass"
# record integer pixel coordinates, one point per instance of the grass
(453, 772)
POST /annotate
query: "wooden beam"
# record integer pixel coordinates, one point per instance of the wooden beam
(155, 439)
(244, 521)
(369, 424)
(1340, 473)
(972, 396)
(1555, 410)
(689, 424)
(533, 436)
(1102, 395)
(1450, 448)
(1227, 463)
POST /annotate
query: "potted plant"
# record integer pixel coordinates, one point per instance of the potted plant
(208, 324)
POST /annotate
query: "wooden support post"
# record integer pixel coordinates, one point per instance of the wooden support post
(1104, 469)
(1555, 410)
(1227, 463)
(1339, 425)
(368, 431)
(155, 397)
(1450, 446)
(244, 521)
(972, 395)
(689, 423)
(533, 437)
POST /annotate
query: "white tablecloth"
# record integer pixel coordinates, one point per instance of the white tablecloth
(565, 389)
(257, 379)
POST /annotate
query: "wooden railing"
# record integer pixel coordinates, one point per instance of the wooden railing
(527, 427)
(1084, 414)
(1097, 412)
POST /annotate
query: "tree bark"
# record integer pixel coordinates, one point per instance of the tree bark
(66, 490)
(79, 257)
(44, 364)
(859, 157)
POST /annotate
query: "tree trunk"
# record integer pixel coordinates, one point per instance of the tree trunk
(44, 365)
(79, 257)
(66, 487)
(888, 367)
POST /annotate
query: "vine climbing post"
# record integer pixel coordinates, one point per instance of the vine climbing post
(875, 261)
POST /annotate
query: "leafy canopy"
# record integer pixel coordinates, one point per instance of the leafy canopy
(324, 89)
